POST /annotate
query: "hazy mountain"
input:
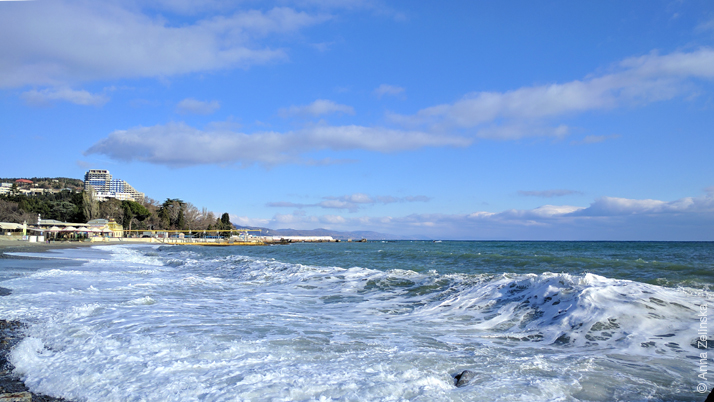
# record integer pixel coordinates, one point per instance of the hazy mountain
(356, 235)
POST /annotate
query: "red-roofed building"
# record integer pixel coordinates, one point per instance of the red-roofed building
(23, 181)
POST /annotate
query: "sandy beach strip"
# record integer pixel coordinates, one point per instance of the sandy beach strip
(12, 332)
(12, 245)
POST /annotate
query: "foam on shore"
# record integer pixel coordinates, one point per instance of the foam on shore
(158, 324)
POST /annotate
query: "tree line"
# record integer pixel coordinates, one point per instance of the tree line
(81, 207)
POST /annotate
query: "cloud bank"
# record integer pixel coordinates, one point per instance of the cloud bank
(607, 218)
(62, 42)
(634, 81)
(47, 96)
(179, 145)
(352, 202)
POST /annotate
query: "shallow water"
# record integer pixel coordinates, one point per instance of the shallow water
(537, 321)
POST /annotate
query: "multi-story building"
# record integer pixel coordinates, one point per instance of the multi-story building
(98, 179)
(5, 188)
(107, 187)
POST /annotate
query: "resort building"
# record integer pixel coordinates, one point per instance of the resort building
(105, 187)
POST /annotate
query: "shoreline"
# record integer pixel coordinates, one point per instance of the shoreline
(11, 386)
(12, 332)
(19, 246)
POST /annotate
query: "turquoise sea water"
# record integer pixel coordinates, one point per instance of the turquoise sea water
(383, 321)
(665, 263)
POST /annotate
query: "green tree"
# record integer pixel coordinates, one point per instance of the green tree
(139, 211)
(225, 222)
(127, 216)
(164, 219)
(181, 221)
(90, 205)
(25, 205)
(170, 211)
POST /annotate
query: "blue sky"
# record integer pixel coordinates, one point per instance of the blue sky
(455, 120)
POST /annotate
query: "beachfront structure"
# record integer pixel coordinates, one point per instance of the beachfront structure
(107, 226)
(105, 187)
(94, 230)
(9, 228)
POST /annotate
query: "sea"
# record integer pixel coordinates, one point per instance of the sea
(375, 321)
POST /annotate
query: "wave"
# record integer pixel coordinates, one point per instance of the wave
(134, 321)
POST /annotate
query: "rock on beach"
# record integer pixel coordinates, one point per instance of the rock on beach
(464, 378)
(11, 388)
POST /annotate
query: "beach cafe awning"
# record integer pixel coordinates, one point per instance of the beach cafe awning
(10, 226)
(69, 229)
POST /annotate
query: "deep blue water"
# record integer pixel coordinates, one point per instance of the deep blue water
(662, 263)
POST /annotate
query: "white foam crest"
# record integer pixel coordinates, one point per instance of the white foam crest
(146, 300)
(243, 328)
(581, 311)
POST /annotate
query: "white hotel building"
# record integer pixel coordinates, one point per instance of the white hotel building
(106, 187)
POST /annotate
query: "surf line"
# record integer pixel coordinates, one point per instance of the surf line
(702, 341)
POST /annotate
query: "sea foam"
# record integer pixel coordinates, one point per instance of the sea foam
(131, 324)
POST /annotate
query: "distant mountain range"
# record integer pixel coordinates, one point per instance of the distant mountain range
(357, 235)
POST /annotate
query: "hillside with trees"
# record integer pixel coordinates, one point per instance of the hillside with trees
(81, 207)
(50, 183)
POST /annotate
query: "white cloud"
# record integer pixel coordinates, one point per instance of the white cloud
(518, 131)
(46, 96)
(317, 108)
(637, 80)
(352, 202)
(386, 89)
(247, 221)
(60, 42)
(193, 106)
(177, 144)
(607, 218)
(611, 206)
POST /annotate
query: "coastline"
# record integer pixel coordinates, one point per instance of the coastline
(7, 245)
(12, 332)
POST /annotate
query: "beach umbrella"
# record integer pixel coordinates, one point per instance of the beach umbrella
(69, 229)
(53, 229)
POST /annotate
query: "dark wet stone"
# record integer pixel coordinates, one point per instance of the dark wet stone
(11, 333)
(5, 291)
(463, 378)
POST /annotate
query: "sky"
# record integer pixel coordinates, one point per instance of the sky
(479, 120)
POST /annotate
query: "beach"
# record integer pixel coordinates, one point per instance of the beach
(25, 246)
(535, 321)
